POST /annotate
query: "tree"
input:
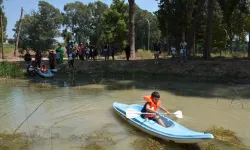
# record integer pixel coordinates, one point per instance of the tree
(40, 28)
(11, 41)
(115, 27)
(228, 7)
(75, 20)
(96, 9)
(175, 18)
(4, 20)
(208, 39)
(247, 29)
(197, 13)
(141, 28)
(83, 22)
(132, 26)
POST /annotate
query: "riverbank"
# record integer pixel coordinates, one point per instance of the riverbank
(218, 71)
(222, 71)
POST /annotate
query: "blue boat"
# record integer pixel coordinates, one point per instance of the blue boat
(47, 74)
(174, 131)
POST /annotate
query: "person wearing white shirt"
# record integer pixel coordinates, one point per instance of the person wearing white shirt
(183, 50)
(173, 52)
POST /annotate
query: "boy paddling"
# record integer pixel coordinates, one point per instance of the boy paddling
(151, 106)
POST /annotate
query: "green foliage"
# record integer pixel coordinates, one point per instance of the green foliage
(141, 28)
(115, 24)
(40, 28)
(218, 29)
(175, 16)
(83, 22)
(11, 41)
(10, 70)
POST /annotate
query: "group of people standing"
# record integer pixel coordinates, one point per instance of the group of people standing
(183, 51)
(87, 52)
(82, 51)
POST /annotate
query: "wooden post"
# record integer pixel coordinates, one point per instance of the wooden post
(18, 32)
(1, 24)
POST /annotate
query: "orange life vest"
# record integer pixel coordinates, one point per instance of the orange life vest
(151, 104)
(44, 69)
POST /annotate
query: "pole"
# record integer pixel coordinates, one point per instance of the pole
(1, 20)
(18, 32)
(148, 32)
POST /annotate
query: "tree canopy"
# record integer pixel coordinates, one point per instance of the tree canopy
(40, 27)
(210, 24)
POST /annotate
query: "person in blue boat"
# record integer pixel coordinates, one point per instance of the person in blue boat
(151, 106)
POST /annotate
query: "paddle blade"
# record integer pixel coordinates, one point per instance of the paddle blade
(132, 113)
(178, 114)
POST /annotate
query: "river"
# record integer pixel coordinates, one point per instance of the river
(69, 113)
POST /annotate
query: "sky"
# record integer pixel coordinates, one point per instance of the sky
(12, 8)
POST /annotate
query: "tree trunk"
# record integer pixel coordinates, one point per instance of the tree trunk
(208, 39)
(183, 33)
(249, 44)
(194, 44)
(132, 27)
(18, 32)
(1, 24)
(193, 27)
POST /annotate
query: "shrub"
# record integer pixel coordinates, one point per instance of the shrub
(10, 70)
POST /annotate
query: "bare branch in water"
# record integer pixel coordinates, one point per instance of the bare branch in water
(29, 115)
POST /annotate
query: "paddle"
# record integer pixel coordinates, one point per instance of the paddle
(133, 113)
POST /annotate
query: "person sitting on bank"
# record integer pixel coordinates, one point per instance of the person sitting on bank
(31, 68)
(151, 106)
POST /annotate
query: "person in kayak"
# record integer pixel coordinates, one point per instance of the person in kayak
(44, 69)
(151, 106)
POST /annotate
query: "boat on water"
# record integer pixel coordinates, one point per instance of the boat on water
(174, 131)
(47, 74)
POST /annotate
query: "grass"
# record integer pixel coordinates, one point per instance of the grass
(93, 146)
(8, 48)
(229, 54)
(148, 54)
(10, 70)
(142, 54)
(13, 142)
(147, 144)
(98, 141)
(224, 138)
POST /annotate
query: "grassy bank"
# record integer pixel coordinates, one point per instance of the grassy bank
(224, 139)
(10, 70)
(207, 71)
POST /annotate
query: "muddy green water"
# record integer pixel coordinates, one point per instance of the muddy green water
(69, 113)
